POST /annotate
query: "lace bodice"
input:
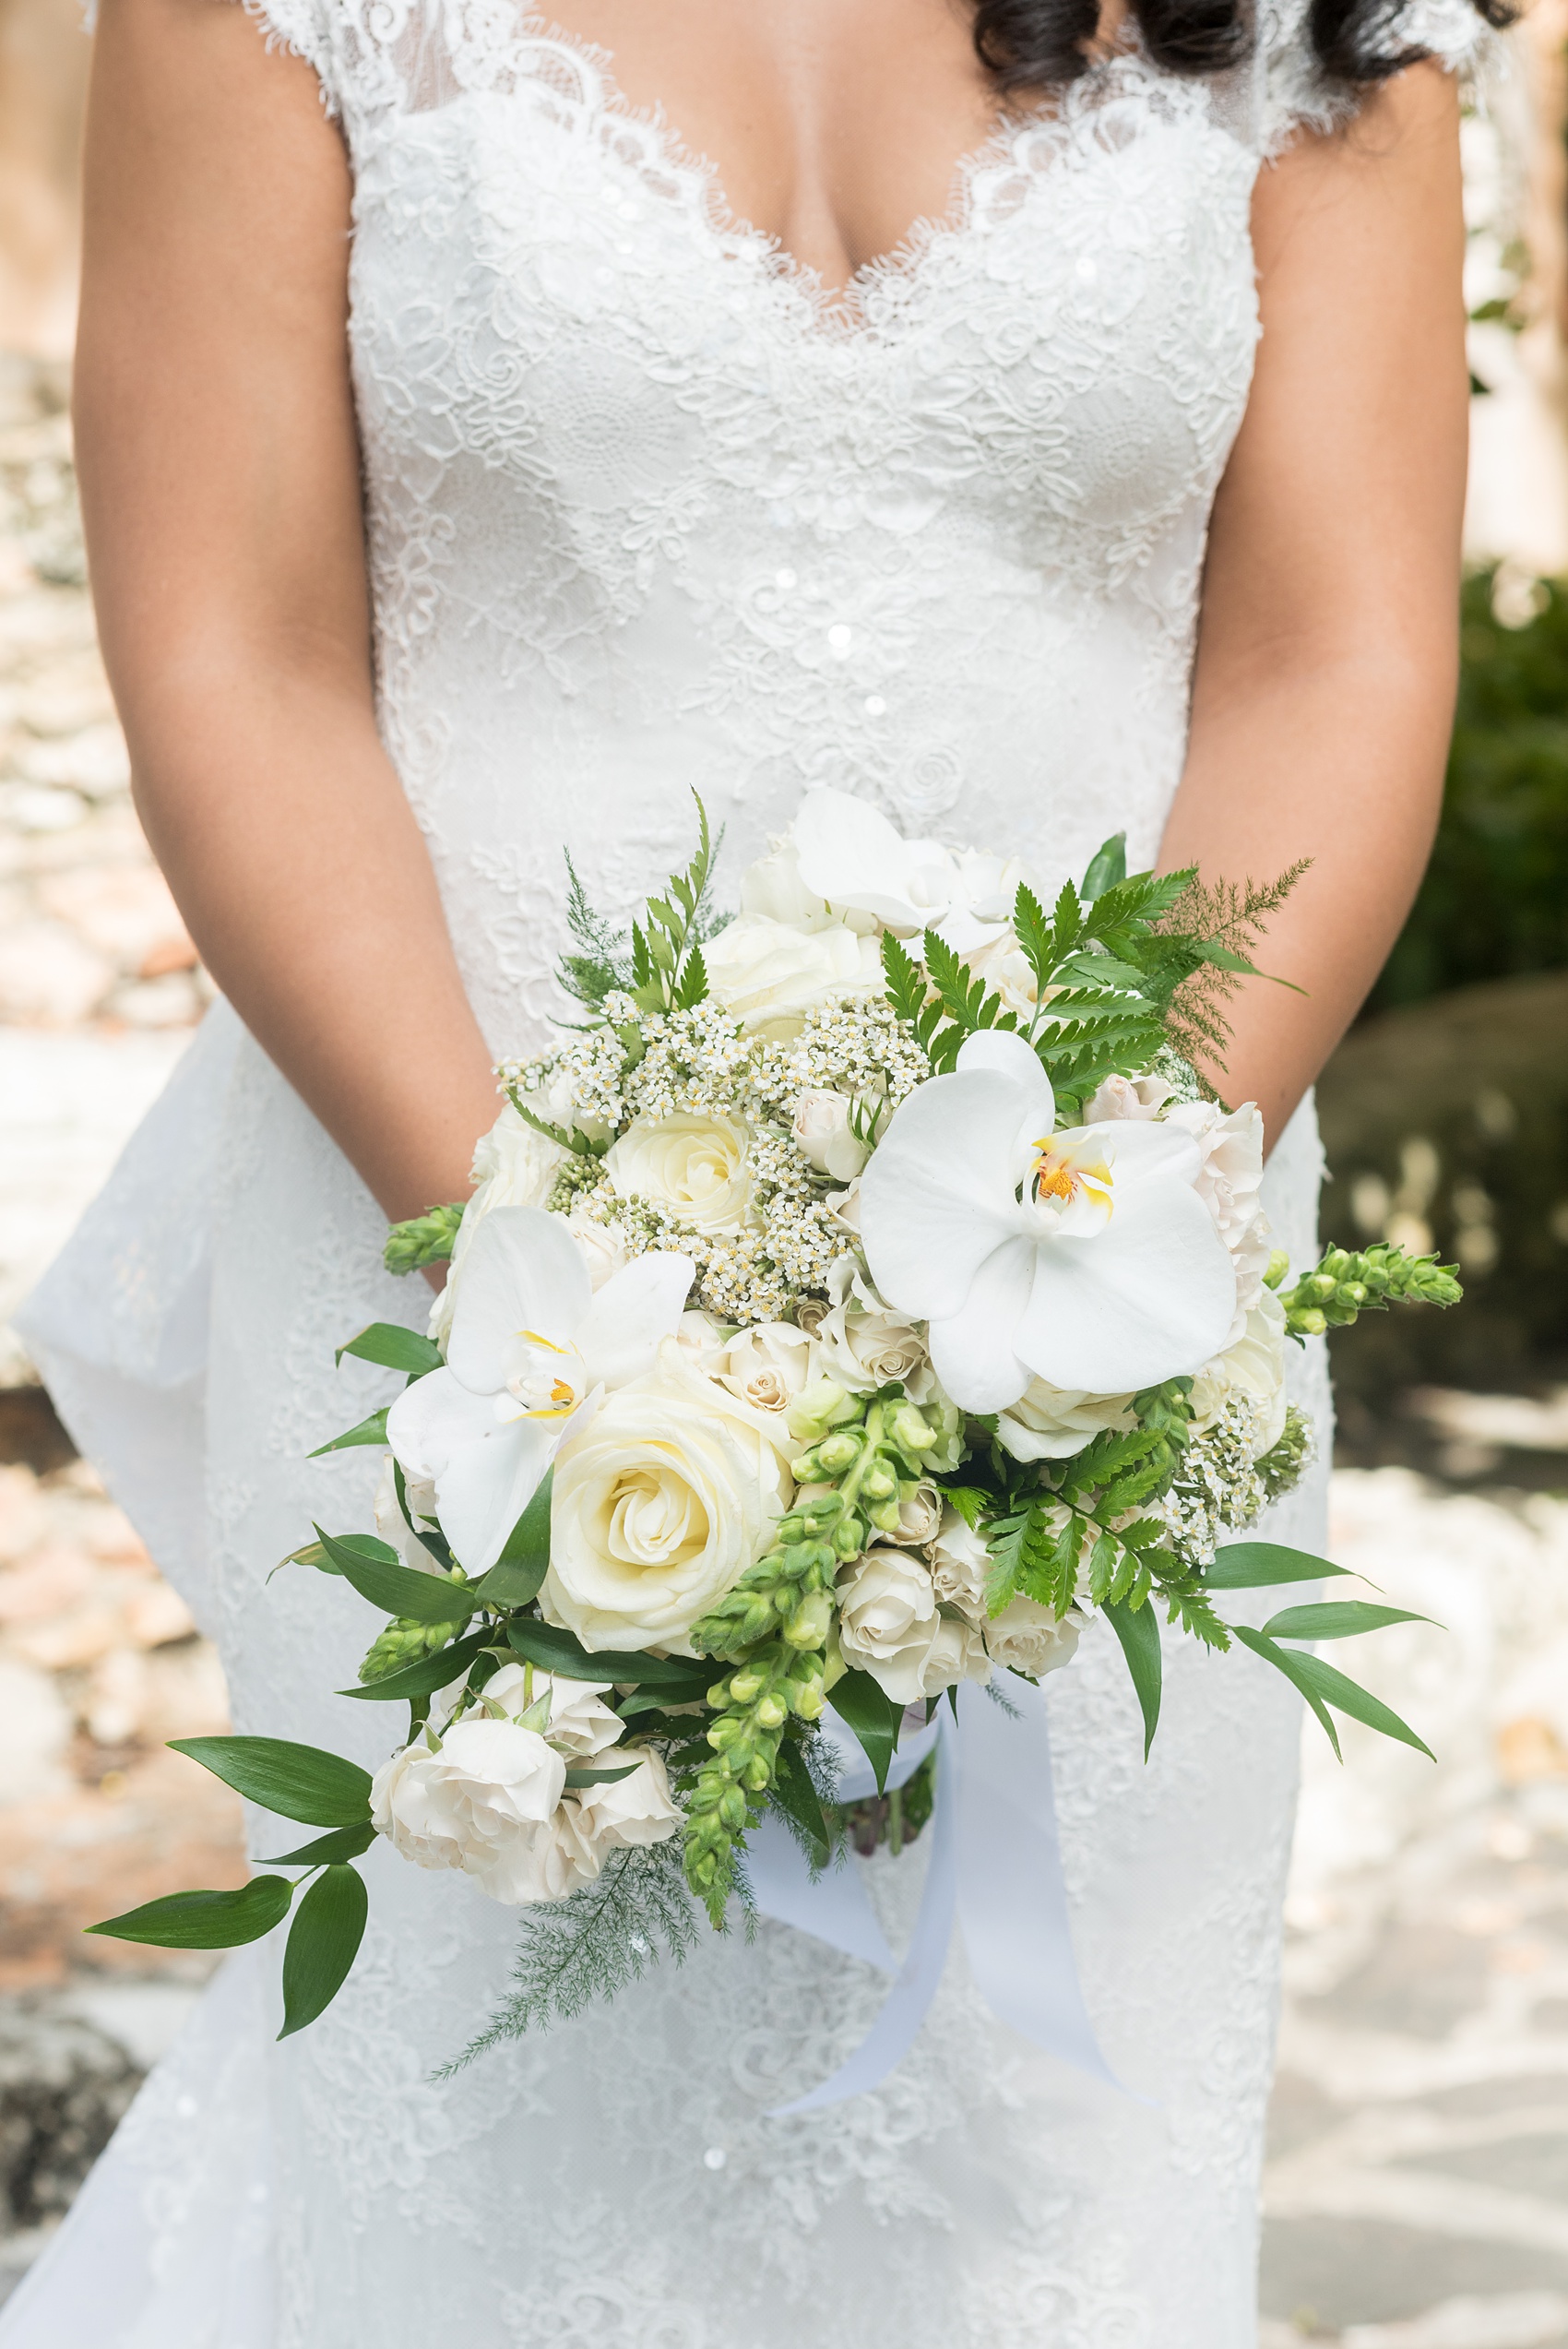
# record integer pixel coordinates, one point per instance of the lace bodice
(644, 504)
(647, 514)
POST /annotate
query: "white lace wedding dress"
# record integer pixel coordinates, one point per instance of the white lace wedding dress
(648, 514)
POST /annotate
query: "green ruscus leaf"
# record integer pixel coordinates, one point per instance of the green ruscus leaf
(1139, 1634)
(323, 1943)
(1322, 1685)
(296, 1782)
(395, 1348)
(378, 1574)
(874, 1717)
(205, 1920)
(1256, 1565)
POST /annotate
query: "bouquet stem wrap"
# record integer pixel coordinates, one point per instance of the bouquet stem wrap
(995, 1870)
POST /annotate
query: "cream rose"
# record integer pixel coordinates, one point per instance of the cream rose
(486, 1802)
(578, 1725)
(888, 1619)
(1135, 1097)
(1000, 964)
(1027, 1637)
(769, 974)
(766, 1365)
(603, 1245)
(1052, 1423)
(862, 1342)
(640, 1810)
(660, 1505)
(391, 1524)
(1252, 1370)
(919, 1514)
(1230, 1178)
(825, 1138)
(959, 1564)
(691, 1168)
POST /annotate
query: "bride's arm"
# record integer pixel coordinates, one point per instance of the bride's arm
(220, 489)
(1324, 690)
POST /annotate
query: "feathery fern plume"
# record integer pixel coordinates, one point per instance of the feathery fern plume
(589, 1948)
(1217, 924)
(598, 961)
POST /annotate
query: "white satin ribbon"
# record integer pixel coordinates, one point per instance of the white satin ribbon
(996, 1867)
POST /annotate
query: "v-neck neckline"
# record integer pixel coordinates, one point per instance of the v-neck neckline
(836, 313)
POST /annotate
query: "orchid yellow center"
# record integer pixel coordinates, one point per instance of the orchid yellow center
(547, 1390)
(1067, 1178)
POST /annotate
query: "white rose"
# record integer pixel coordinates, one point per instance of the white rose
(579, 1727)
(391, 1524)
(1000, 964)
(658, 1508)
(691, 1168)
(1134, 1097)
(478, 1804)
(769, 974)
(1230, 1176)
(1027, 1637)
(888, 1619)
(918, 1518)
(1052, 1423)
(766, 1365)
(773, 888)
(823, 1135)
(603, 1245)
(863, 1344)
(640, 1810)
(1250, 1370)
(702, 1343)
(957, 1653)
(959, 1564)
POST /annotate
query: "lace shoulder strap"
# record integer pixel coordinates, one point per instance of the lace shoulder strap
(304, 29)
(1293, 92)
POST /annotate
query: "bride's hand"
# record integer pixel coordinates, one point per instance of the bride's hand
(221, 491)
(1324, 692)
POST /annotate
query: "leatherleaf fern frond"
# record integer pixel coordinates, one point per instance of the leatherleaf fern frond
(586, 1950)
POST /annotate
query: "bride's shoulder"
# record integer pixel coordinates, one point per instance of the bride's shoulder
(1297, 87)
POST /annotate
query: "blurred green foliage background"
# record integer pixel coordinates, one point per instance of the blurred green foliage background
(1446, 1111)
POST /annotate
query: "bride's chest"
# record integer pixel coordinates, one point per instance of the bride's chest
(543, 283)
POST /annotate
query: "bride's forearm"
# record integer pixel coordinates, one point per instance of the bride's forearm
(1337, 764)
(309, 892)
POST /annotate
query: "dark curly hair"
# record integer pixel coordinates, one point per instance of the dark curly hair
(1027, 44)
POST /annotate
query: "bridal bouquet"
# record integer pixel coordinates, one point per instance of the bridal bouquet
(864, 1295)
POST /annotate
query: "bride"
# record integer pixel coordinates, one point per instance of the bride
(492, 426)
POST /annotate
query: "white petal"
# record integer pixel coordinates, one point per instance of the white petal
(1138, 1150)
(1152, 1297)
(972, 1350)
(1005, 1052)
(936, 1197)
(619, 1336)
(433, 1418)
(851, 855)
(484, 1487)
(522, 1270)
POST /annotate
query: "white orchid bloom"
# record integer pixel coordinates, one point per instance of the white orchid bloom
(854, 857)
(532, 1351)
(1086, 1258)
(863, 864)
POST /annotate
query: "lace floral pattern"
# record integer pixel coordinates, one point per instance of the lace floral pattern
(647, 513)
